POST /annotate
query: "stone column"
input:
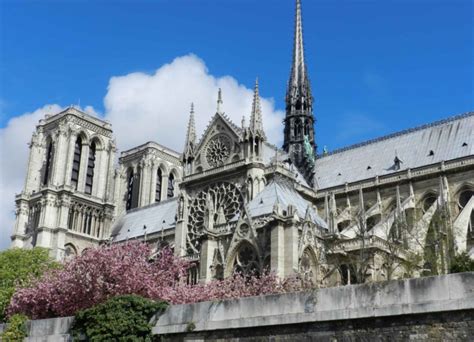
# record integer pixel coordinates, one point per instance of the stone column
(60, 156)
(207, 253)
(153, 178)
(277, 250)
(35, 161)
(21, 223)
(99, 169)
(164, 186)
(291, 248)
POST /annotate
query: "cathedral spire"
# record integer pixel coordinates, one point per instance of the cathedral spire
(298, 75)
(299, 140)
(256, 122)
(190, 142)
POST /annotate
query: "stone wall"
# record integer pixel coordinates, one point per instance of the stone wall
(423, 309)
(432, 309)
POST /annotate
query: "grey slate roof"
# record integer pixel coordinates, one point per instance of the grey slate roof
(448, 139)
(156, 217)
(279, 191)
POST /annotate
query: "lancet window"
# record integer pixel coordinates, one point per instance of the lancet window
(49, 163)
(90, 169)
(76, 162)
(170, 186)
(159, 180)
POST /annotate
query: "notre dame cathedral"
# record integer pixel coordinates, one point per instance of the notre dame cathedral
(397, 206)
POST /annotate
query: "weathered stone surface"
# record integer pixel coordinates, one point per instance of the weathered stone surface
(412, 309)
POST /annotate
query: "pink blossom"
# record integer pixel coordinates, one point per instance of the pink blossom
(108, 271)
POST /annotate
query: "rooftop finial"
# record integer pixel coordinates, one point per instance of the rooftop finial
(190, 142)
(219, 101)
(256, 124)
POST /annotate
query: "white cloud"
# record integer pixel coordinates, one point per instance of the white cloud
(141, 107)
(14, 139)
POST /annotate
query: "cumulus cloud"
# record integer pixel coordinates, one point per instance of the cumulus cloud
(143, 107)
(14, 139)
(140, 107)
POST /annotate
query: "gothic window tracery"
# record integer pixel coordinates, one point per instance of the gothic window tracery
(308, 270)
(246, 260)
(217, 203)
(218, 150)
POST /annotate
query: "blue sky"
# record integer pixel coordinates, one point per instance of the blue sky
(376, 67)
(388, 64)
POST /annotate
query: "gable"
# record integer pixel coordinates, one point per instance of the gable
(219, 144)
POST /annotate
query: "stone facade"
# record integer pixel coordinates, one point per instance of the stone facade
(397, 206)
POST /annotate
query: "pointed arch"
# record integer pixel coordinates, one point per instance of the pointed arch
(243, 258)
(308, 265)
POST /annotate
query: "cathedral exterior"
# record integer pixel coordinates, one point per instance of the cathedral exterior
(397, 206)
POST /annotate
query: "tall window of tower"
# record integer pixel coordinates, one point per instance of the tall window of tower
(170, 186)
(130, 180)
(159, 179)
(90, 169)
(76, 163)
(49, 163)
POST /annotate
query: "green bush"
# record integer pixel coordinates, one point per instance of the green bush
(121, 318)
(17, 268)
(15, 330)
(462, 263)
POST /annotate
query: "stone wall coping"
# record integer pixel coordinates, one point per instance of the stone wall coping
(391, 298)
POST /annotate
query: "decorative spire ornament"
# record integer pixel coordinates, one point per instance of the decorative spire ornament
(190, 142)
(219, 101)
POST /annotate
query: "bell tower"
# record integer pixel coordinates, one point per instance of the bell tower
(299, 140)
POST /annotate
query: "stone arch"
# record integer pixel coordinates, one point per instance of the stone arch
(70, 251)
(427, 199)
(164, 168)
(244, 257)
(308, 264)
(99, 142)
(84, 136)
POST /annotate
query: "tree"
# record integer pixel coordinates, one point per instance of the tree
(462, 263)
(18, 268)
(107, 271)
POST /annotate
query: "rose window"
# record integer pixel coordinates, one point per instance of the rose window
(218, 150)
(217, 203)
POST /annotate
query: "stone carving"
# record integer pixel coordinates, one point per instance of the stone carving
(218, 150)
(216, 204)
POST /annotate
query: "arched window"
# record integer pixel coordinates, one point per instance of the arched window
(130, 180)
(49, 163)
(90, 169)
(170, 186)
(246, 260)
(159, 180)
(76, 162)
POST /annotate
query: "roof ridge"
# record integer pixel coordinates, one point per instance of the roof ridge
(399, 133)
